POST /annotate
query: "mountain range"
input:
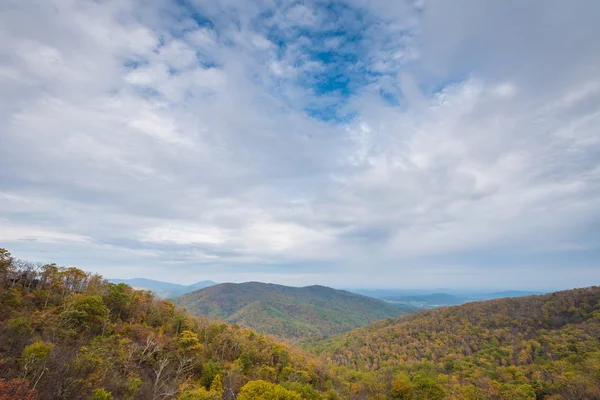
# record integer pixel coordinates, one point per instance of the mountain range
(68, 334)
(161, 289)
(288, 312)
(425, 299)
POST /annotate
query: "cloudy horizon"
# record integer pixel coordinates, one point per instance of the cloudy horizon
(374, 144)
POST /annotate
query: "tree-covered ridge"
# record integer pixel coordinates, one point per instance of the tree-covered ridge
(68, 334)
(535, 347)
(288, 312)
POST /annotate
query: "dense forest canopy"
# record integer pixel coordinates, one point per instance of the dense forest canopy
(534, 347)
(69, 334)
(289, 312)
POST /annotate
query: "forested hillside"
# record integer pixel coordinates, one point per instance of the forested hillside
(68, 334)
(289, 312)
(535, 347)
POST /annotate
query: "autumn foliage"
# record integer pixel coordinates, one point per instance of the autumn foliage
(535, 347)
(72, 335)
(16, 389)
(68, 334)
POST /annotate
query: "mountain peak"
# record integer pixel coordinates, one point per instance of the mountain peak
(291, 312)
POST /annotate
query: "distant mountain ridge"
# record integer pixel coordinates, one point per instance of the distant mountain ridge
(289, 312)
(433, 300)
(163, 289)
(503, 295)
(425, 299)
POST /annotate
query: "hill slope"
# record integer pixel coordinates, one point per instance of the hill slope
(68, 334)
(518, 348)
(161, 289)
(289, 312)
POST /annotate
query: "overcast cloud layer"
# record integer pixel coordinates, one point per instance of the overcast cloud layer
(354, 144)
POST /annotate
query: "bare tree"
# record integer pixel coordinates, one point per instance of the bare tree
(159, 377)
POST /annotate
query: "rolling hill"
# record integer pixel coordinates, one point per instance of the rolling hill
(163, 290)
(65, 333)
(69, 334)
(289, 312)
(534, 347)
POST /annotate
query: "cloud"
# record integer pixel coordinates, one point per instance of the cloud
(27, 233)
(356, 144)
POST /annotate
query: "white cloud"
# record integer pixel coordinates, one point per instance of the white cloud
(186, 235)
(11, 233)
(133, 138)
(505, 89)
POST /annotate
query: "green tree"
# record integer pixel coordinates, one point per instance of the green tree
(117, 298)
(518, 392)
(101, 394)
(306, 391)
(86, 312)
(132, 388)
(426, 388)
(188, 342)
(34, 358)
(209, 371)
(6, 260)
(216, 385)
(261, 390)
(199, 394)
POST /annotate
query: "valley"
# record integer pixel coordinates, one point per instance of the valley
(69, 334)
(543, 346)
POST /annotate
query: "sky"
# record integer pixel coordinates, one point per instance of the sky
(358, 143)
